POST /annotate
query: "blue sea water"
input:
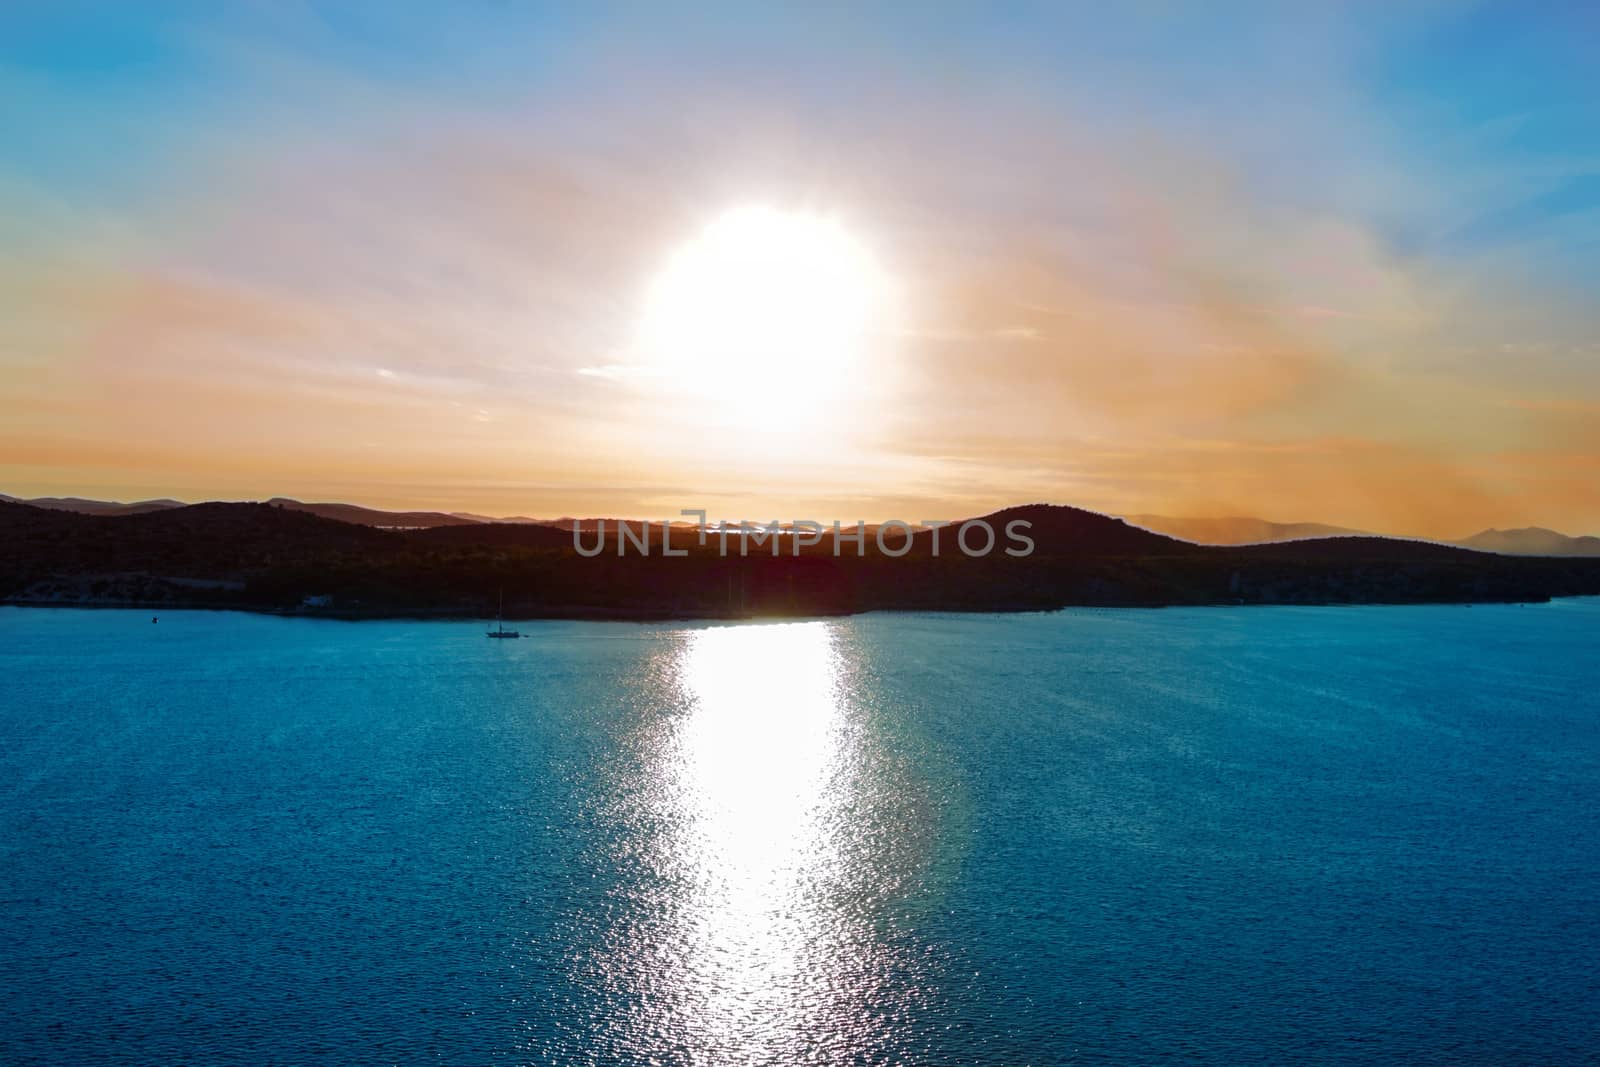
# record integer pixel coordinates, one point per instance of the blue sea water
(1255, 835)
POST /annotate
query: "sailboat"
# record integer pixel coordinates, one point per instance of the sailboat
(499, 626)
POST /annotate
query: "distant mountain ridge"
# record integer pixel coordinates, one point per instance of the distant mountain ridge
(1240, 530)
(1532, 541)
(94, 507)
(373, 517)
(1228, 530)
(1237, 530)
(353, 513)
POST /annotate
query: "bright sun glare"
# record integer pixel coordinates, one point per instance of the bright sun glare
(765, 316)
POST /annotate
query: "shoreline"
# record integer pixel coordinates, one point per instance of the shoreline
(644, 617)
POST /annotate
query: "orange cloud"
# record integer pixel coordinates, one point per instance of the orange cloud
(399, 311)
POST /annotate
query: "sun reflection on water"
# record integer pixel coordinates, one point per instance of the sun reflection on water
(747, 935)
(757, 753)
(758, 745)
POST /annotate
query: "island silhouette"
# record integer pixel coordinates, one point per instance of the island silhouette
(278, 558)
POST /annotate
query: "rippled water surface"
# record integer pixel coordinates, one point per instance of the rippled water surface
(1226, 836)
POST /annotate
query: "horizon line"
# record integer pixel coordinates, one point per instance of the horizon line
(1335, 529)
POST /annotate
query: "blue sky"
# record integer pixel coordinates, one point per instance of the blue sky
(1167, 257)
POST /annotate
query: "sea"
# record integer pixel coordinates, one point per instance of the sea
(1264, 835)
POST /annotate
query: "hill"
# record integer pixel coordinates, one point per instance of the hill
(1239, 530)
(495, 535)
(1532, 541)
(1056, 528)
(398, 520)
(273, 558)
(1236, 530)
(94, 507)
(1231, 530)
(197, 553)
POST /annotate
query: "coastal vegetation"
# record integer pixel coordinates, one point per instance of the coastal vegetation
(271, 558)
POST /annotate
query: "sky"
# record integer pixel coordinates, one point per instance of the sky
(1333, 263)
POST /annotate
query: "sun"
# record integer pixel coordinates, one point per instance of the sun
(766, 316)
